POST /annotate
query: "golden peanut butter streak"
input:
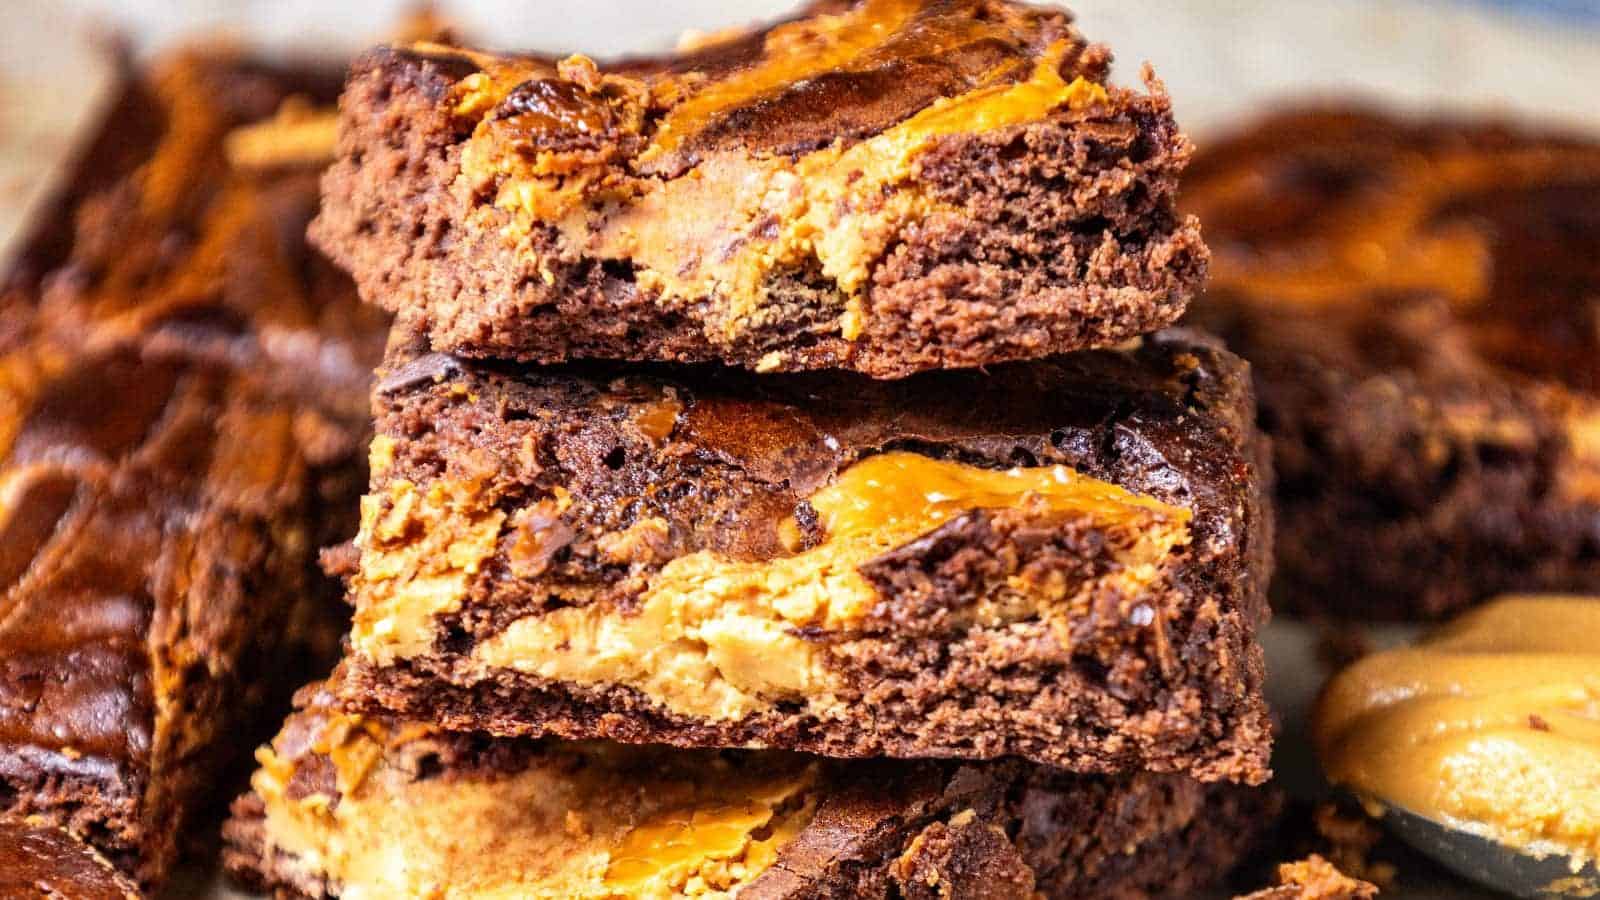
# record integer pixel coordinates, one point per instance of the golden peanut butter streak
(1396, 243)
(721, 638)
(588, 821)
(1491, 726)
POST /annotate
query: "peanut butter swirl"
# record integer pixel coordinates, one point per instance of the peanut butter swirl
(564, 820)
(802, 154)
(1491, 726)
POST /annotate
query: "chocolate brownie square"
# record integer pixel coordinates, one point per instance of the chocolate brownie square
(345, 805)
(1061, 560)
(884, 186)
(183, 403)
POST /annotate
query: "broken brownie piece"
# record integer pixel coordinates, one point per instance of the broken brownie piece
(348, 805)
(1417, 300)
(884, 186)
(1059, 560)
(1314, 878)
(183, 403)
(42, 862)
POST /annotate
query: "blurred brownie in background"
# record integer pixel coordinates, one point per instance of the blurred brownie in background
(1420, 301)
(183, 395)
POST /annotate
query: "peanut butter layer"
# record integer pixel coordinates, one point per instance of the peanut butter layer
(1491, 726)
(1417, 300)
(360, 807)
(750, 200)
(715, 638)
(707, 556)
(586, 821)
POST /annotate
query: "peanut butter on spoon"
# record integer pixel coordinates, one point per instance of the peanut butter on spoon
(1490, 727)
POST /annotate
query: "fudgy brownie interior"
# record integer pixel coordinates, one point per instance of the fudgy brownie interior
(1416, 299)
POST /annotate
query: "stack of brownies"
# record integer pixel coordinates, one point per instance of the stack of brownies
(781, 485)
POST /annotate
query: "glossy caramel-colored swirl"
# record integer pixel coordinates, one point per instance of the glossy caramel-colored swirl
(1492, 725)
(565, 820)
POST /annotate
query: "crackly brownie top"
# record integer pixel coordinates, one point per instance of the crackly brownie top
(838, 71)
(1344, 215)
(117, 477)
(43, 862)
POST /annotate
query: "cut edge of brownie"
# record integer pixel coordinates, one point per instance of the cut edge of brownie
(1061, 235)
(919, 828)
(1206, 719)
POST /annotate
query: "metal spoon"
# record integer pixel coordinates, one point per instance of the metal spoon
(1493, 864)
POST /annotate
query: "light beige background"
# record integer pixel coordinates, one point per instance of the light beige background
(1222, 60)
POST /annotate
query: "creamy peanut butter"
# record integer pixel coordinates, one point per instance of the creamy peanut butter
(421, 548)
(797, 51)
(720, 638)
(739, 216)
(579, 821)
(1491, 726)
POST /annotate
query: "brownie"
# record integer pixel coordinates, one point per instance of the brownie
(1417, 298)
(883, 186)
(340, 798)
(1314, 878)
(182, 231)
(183, 407)
(1062, 560)
(40, 862)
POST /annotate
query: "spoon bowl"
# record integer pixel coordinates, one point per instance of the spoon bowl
(1493, 864)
